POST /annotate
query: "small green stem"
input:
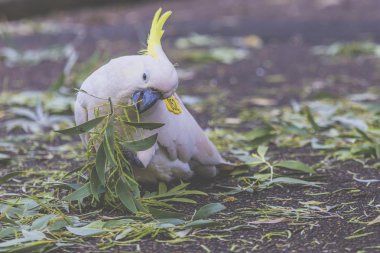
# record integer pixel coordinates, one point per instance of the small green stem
(271, 170)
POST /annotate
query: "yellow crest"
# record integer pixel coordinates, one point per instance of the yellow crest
(156, 32)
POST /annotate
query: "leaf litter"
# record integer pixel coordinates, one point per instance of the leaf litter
(49, 208)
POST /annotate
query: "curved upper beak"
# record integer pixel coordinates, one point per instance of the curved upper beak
(145, 99)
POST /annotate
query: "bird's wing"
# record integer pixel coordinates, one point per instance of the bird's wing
(181, 136)
(203, 150)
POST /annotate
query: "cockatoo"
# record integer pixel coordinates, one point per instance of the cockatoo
(150, 81)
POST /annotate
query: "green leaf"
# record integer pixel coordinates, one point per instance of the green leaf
(42, 222)
(5, 232)
(61, 222)
(83, 192)
(289, 180)
(200, 223)
(178, 187)
(142, 144)
(37, 246)
(99, 224)
(138, 204)
(258, 133)
(83, 128)
(164, 214)
(260, 136)
(27, 237)
(364, 135)
(33, 235)
(123, 234)
(172, 221)
(126, 196)
(85, 231)
(208, 210)
(261, 151)
(8, 176)
(162, 188)
(310, 118)
(117, 223)
(192, 192)
(95, 184)
(149, 126)
(11, 212)
(181, 200)
(101, 164)
(108, 142)
(295, 165)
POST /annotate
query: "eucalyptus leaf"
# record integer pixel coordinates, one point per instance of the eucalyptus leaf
(208, 210)
(82, 231)
(83, 128)
(61, 222)
(95, 184)
(295, 165)
(142, 144)
(7, 231)
(33, 235)
(28, 236)
(79, 194)
(289, 180)
(108, 143)
(42, 222)
(260, 136)
(148, 126)
(172, 221)
(100, 164)
(162, 188)
(178, 187)
(36, 246)
(117, 223)
(364, 135)
(200, 223)
(261, 151)
(123, 234)
(181, 200)
(126, 196)
(310, 118)
(164, 214)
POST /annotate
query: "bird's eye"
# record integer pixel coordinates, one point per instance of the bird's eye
(145, 77)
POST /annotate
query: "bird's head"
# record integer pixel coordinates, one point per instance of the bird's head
(156, 76)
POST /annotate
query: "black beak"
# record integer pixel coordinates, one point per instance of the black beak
(145, 99)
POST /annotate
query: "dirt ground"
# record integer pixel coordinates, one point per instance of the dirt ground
(282, 70)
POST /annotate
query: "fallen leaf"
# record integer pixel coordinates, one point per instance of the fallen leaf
(266, 221)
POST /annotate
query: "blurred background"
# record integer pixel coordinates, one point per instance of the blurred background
(261, 41)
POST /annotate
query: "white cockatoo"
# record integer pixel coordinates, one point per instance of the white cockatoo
(150, 81)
